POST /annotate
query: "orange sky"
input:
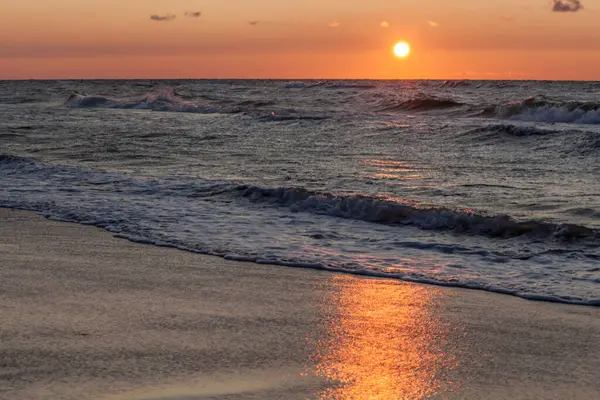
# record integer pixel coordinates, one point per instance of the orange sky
(294, 39)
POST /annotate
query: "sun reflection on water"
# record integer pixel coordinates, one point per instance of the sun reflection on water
(402, 171)
(384, 342)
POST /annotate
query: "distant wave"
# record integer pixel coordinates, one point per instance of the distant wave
(512, 130)
(541, 109)
(455, 84)
(422, 105)
(377, 210)
(162, 100)
(169, 101)
(532, 109)
(327, 85)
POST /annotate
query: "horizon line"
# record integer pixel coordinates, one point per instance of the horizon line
(297, 79)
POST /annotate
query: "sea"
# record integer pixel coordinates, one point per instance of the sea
(489, 185)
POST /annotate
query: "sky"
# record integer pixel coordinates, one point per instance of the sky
(294, 39)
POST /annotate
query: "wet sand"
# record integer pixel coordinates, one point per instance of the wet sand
(89, 316)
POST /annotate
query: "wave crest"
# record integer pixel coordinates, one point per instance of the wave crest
(532, 109)
(541, 109)
(169, 101)
(380, 210)
(161, 100)
(356, 207)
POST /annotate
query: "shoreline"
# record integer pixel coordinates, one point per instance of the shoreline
(316, 267)
(90, 316)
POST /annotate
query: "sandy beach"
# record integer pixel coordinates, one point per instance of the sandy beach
(89, 316)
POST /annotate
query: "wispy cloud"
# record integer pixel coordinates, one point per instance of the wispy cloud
(254, 23)
(193, 14)
(168, 17)
(385, 24)
(433, 24)
(566, 5)
(333, 24)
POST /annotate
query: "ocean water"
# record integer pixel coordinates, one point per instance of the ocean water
(489, 185)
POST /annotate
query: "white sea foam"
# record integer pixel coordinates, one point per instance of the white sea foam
(540, 109)
(559, 115)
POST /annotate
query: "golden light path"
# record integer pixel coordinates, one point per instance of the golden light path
(402, 49)
(387, 342)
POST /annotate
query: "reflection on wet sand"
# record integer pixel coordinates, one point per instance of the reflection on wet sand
(384, 342)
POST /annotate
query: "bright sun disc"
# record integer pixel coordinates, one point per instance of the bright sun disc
(401, 49)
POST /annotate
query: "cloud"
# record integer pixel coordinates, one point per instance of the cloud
(333, 24)
(168, 17)
(194, 14)
(433, 24)
(385, 24)
(566, 5)
(254, 23)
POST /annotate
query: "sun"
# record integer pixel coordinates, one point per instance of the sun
(402, 49)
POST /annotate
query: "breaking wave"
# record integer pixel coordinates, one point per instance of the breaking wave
(380, 210)
(532, 109)
(163, 100)
(168, 100)
(259, 224)
(356, 207)
(541, 109)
